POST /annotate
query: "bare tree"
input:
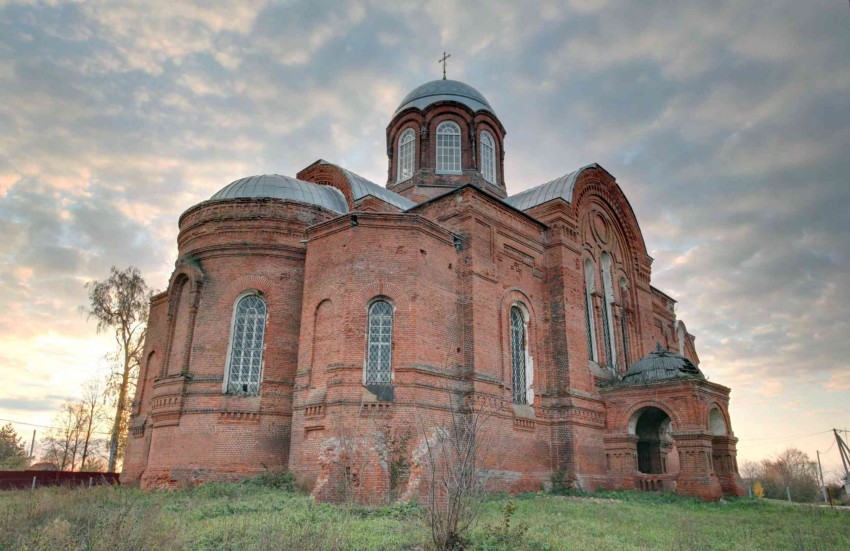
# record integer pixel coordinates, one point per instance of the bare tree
(120, 304)
(62, 442)
(91, 410)
(455, 449)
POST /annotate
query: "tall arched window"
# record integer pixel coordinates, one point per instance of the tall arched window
(488, 157)
(589, 318)
(406, 154)
(624, 323)
(607, 312)
(379, 344)
(245, 363)
(519, 353)
(448, 148)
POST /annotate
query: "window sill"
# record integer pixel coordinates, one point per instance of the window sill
(449, 172)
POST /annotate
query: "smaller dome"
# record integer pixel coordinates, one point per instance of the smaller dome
(445, 90)
(276, 186)
(661, 365)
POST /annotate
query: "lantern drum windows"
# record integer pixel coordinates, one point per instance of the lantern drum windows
(488, 157)
(406, 155)
(448, 148)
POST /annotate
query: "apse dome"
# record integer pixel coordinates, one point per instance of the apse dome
(276, 186)
(445, 90)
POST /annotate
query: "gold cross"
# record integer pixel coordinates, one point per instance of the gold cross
(443, 61)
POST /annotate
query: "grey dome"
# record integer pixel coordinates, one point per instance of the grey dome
(445, 90)
(661, 365)
(283, 187)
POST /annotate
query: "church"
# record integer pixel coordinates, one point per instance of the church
(310, 321)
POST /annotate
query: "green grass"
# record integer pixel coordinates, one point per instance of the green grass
(255, 516)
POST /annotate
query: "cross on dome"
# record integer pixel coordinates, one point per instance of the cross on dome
(443, 61)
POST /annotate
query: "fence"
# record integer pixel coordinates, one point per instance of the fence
(17, 480)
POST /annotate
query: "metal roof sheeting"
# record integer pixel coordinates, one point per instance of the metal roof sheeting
(445, 90)
(361, 187)
(559, 188)
(284, 187)
(661, 365)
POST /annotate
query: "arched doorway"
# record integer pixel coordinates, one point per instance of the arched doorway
(652, 427)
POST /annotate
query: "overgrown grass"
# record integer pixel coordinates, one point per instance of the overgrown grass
(256, 515)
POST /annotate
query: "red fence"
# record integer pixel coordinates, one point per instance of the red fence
(17, 480)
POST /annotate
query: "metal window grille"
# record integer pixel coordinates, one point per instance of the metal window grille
(379, 344)
(488, 158)
(518, 345)
(448, 148)
(246, 352)
(406, 154)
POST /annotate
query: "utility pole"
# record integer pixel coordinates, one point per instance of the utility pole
(823, 482)
(32, 445)
(845, 459)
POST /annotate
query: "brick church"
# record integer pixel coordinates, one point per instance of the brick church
(310, 321)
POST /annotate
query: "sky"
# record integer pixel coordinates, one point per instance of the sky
(726, 123)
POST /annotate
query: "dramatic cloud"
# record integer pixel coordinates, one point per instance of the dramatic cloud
(726, 124)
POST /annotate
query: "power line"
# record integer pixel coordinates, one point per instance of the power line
(48, 426)
(788, 437)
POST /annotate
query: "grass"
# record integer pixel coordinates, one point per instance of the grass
(257, 516)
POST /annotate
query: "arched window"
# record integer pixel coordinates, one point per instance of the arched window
(406, 154)
(245, 362)
(589, 317)
(379, 344)
(488, 157)
(448, 148)
(607, 311)
(519, 354)
(624, 321)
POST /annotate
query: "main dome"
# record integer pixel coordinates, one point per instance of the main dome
(283, 187)
(445, 90)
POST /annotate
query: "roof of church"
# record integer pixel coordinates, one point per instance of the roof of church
(661, 365)
(284, 187)
(558, 188)
(445, 90)
(361, 187)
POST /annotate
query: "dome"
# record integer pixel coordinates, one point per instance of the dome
(445, 90)
(661, 365)
(283, 187)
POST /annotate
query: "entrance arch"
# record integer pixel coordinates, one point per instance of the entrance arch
(656, 452)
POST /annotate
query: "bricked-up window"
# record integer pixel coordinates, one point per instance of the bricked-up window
(607, 314)
(448, 148)
(519, 350)
(379, 344)
(589, 317)
(488, 157)
(246, 349)
(406, 154)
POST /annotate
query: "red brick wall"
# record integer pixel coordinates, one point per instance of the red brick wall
(452, 269)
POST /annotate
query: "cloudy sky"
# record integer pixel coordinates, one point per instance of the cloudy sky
(726, 123)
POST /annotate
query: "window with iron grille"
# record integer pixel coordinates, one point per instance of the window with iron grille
(246, 349)
(488, 157)
(590, 319)
(406, 154)
(379, 344)
(518, 353)
(448, 148)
